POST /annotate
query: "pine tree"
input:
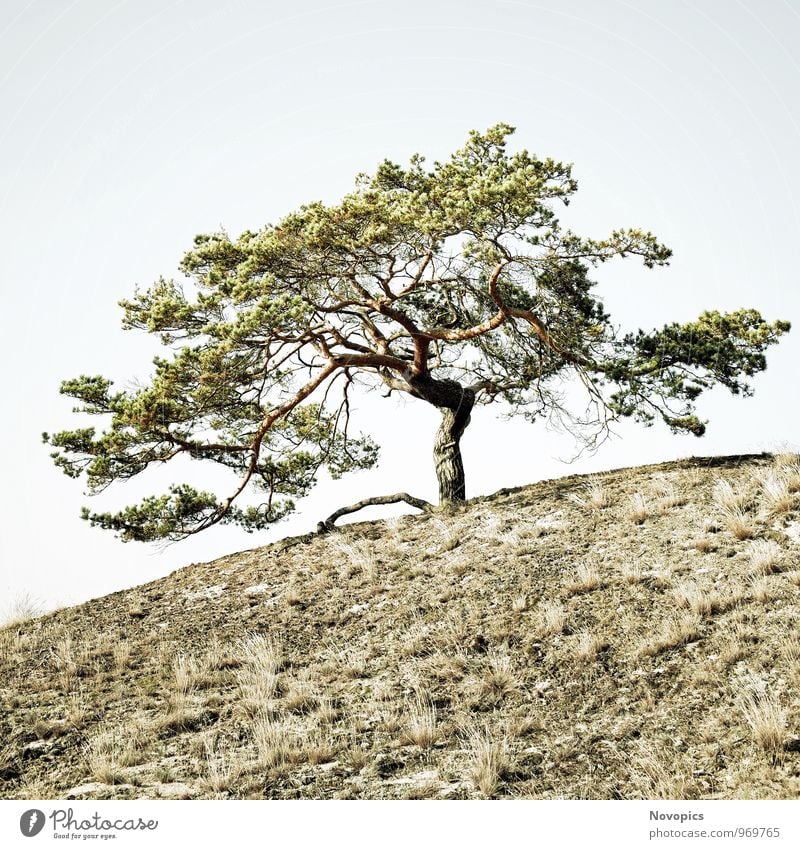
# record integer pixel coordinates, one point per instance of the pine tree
(454, 284)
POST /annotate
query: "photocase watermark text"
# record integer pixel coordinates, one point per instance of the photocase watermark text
(65, 820)
(66, 826)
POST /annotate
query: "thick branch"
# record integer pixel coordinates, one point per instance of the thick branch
(369, 361)
(266, 424)
(420, 338)
(418, 276)
(330, 522)
(485, 326)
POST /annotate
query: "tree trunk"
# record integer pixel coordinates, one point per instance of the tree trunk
(447, 457)
(455, 404)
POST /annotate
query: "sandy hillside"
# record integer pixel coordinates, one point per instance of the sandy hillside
(626, 635)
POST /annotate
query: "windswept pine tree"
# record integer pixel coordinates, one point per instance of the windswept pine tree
(454, 284)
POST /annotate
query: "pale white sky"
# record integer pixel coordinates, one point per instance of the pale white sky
(130, 126)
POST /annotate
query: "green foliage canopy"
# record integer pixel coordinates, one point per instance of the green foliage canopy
(419, 280)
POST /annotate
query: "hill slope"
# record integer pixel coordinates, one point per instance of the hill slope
(626, 635)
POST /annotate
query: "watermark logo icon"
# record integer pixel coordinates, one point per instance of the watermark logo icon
(31, 822)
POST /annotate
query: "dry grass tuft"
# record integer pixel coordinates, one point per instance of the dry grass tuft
(447, 666)
(351, 661)
(23, 609)
(639, 509)
(261, 653)
(293, 596)
(760, 589)
(519, 604)
(739, 523)
(318, 747)
(766, 718)
(704, 603)
(218, 657)
(696, 477)
(184, 670)
(112, 750)
(790, 648)
(301, 697)
(461, 564)
(499, 679)
(792, 477)
(786, 460)
(449, 537)
(651, 777)
(77, 709)
(357, 558)
(274, 741)
(588, 646)
(488, 759)
(727, 498)
(765, 556)
(326, 713)
(675, 632)
(777, 498)
(587, 578)
(421, 728)
(518, 537)
(660, 575)
(495, 683)
(631, 573)
(552, 618)
(786, 469)
(261, 658)
(220, 773)
(669, 497)
(66, 662)
(356, 758)
(103, 769)
(418, 640)
(122, 655)
(179, 719)
(704, 545)
(593, 496)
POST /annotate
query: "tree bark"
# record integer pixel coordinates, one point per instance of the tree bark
(455, 403)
